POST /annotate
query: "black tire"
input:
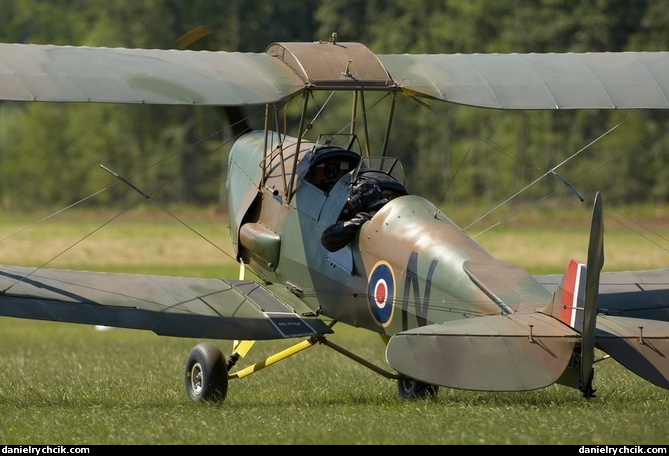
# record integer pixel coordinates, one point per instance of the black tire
(409, 388)
(206, 374)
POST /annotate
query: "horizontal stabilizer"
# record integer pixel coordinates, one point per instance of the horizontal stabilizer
(493, 353)
(640, 345)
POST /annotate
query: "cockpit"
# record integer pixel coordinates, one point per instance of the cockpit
(329, 163)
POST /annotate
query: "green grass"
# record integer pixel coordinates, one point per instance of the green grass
(72, 384)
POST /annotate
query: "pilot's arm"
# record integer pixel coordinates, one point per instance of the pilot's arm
(337, 235)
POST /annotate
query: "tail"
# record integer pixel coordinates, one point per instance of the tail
(575, 300)
(593, 269)
(572, 305)
(640, 345)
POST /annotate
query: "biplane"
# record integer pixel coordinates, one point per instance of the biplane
(447, 312)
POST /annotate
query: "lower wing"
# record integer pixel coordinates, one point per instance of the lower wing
(637, 294)
(168, 306)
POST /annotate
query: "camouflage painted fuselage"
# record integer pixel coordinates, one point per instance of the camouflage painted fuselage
(408, 266)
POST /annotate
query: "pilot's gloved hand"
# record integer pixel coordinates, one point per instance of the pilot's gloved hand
(337, 235)
(361, 217)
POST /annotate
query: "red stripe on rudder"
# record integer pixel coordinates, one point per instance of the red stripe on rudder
(568, 290)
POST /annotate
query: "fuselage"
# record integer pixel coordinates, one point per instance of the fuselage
(408, 266)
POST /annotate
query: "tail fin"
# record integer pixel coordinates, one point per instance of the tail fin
(593, 269)
(575, 300)
(640, 345)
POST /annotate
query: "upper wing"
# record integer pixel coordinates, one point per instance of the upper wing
(503, 81)
(31, 72)
(538, 81)
(168, 306)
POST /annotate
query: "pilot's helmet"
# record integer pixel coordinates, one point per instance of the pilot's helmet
(364, 193)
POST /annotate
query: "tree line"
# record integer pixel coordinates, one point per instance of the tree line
(49, 153)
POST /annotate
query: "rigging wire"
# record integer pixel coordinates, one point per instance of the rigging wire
(638, 232)
(607, 212)
(443, 196)
(120, 179)
(549, 172)
(552, 171)
(317, 115)
(346, 126)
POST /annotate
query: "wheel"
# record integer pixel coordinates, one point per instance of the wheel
(206, 373)
(414, 389)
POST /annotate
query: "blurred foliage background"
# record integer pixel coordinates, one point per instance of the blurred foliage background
(50, 153)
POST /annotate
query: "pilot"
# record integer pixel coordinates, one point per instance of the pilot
(365, 198)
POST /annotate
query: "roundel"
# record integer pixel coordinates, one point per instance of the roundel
(381, 293)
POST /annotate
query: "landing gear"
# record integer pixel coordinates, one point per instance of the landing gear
(206, 374)
(409, 388)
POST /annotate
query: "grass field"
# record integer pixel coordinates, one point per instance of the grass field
(72, 384)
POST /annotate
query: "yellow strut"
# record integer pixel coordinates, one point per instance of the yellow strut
(283, 354)
(241, 347)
